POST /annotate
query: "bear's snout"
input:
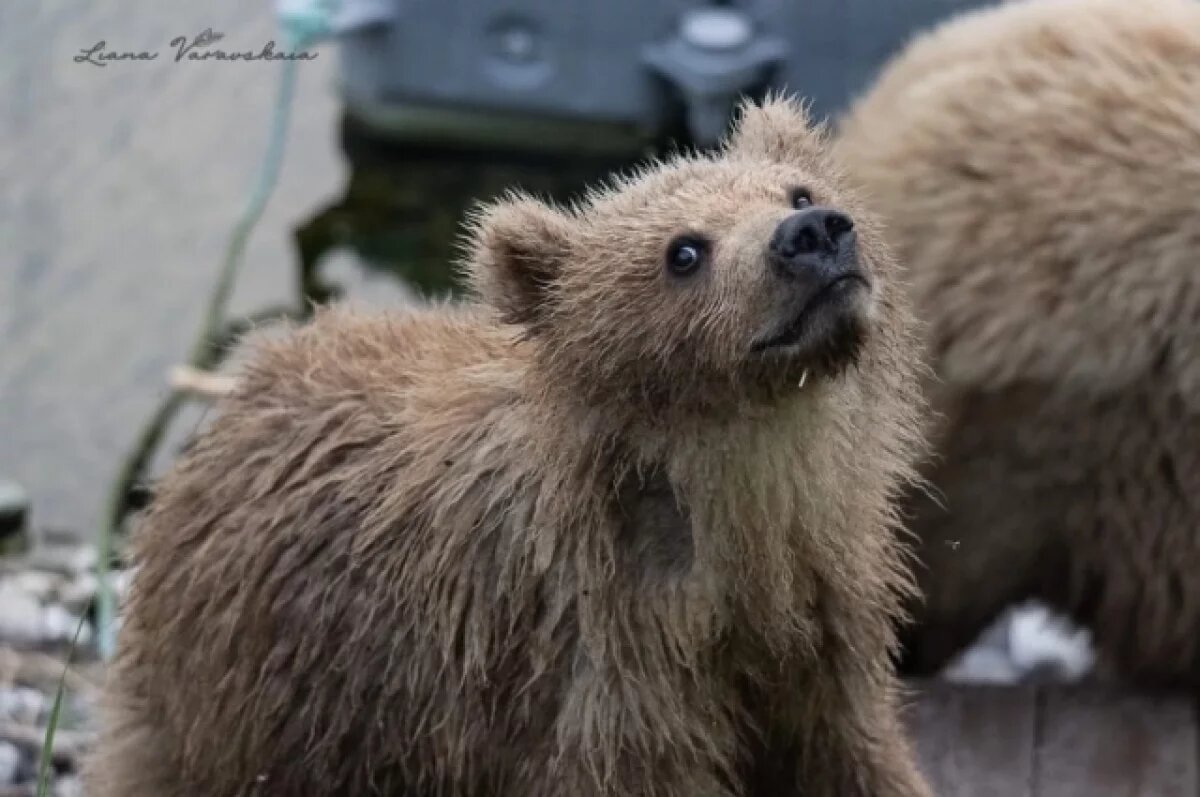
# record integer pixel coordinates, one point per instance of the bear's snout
(816, 243)
(823, 292)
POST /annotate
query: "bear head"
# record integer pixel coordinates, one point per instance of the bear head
(702, 281)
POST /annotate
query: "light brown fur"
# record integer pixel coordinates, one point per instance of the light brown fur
(1038, 170)
(440, 553)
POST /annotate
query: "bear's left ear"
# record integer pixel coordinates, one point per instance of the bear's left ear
(518, 245)
(778, 131)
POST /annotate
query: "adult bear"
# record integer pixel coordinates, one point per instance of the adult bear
(1038, 169)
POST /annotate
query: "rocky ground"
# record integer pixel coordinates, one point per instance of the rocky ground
(47, 594)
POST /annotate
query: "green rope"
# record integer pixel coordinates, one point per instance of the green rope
(268, 175)
(301, 27)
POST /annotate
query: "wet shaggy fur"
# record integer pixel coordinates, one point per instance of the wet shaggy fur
(574, 538)
(1038, 169)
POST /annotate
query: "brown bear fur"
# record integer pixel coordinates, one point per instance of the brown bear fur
(574, 539)
(1038, 170)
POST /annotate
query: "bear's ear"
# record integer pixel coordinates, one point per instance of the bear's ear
(518, 245)
(778, 131)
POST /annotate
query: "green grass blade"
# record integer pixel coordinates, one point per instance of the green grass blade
(43, 785)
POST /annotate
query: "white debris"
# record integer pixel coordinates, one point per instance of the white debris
(1027, 643)
(1040, 641)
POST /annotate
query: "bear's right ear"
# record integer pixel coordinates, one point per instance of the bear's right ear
(518, 245)
(779, 130)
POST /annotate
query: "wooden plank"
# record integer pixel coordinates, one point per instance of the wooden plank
(1096, 742)
(974, 741)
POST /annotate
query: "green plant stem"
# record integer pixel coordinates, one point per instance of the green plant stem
(43, 783)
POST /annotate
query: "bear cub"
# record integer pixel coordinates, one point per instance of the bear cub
(621, 525)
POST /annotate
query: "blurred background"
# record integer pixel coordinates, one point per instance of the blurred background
(122, 181)
(121, 185)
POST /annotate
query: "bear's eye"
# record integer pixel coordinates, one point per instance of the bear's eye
(686, 254)
(801, 198)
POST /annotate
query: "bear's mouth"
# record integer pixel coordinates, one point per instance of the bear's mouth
(827, 315)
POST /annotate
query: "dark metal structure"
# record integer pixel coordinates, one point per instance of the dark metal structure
(448, 102)
(438, 65)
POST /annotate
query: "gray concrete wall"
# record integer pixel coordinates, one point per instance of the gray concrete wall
(118, 186)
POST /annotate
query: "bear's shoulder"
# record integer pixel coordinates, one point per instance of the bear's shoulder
(386, 357)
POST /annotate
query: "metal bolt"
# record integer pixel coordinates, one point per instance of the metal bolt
(716, 29)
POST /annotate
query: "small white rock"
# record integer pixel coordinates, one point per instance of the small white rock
(22, 704)
(68, 786)
(63, 558)
(10, 763)
(59, 625)
(20, 615)
(38, 583)
(77, 594)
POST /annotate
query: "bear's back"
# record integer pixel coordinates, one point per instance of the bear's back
(1037, 167)
(300, 571)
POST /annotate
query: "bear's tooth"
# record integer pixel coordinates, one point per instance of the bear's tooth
(803, 378)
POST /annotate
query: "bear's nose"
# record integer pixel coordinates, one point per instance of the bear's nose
(811, 239)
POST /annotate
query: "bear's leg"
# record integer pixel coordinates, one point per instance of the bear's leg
(972, 565)
(855, 748)
(627, 734)
(866, 752)
(885, 763)
(1132, 583)
(831, 727)
(989, 539)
